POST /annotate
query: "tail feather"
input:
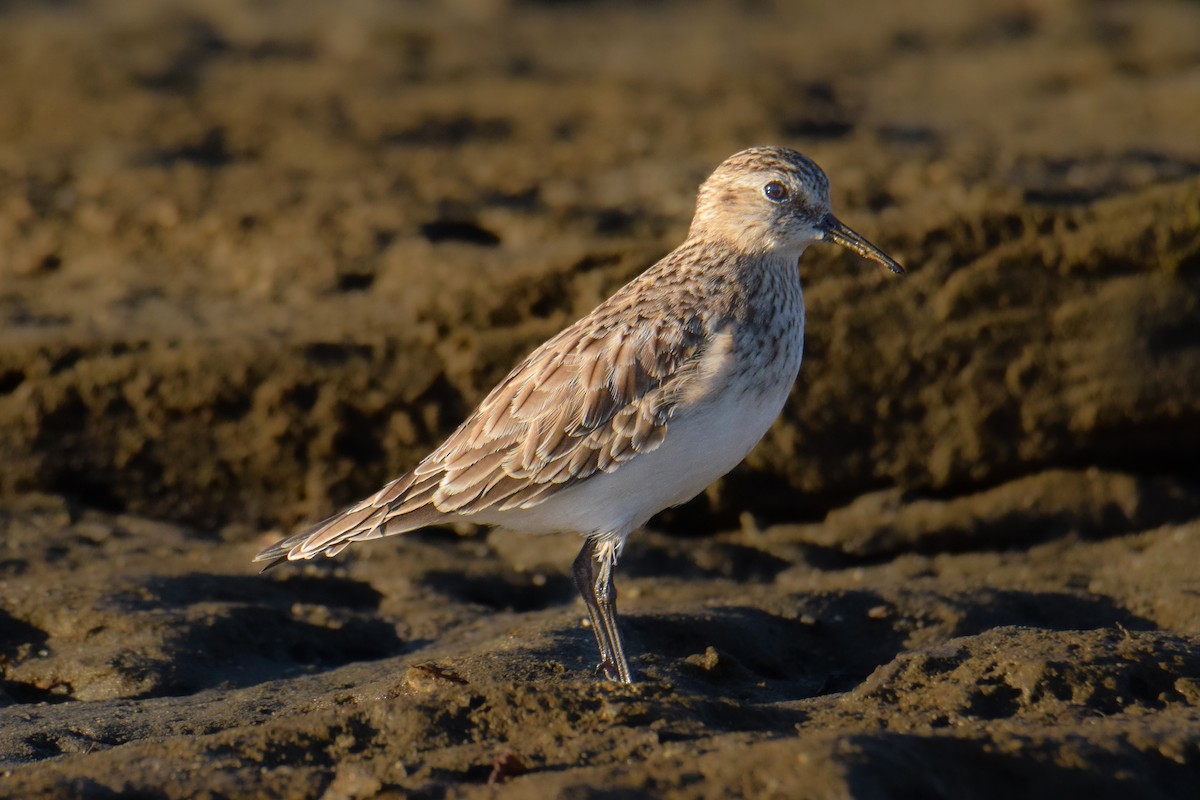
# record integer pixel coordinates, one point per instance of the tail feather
(377, 516)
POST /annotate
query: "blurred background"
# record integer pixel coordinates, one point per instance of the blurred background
(255, 258)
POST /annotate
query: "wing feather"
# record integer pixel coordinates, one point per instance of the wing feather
(589, 400)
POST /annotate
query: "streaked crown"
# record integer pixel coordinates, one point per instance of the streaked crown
(763, 199)
(772, 200)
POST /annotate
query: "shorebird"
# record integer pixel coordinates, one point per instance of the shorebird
(638, 406)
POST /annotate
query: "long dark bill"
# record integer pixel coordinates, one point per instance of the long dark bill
(838, 233)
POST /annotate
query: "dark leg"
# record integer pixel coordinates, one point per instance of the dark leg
(583, 571)
(594, 579)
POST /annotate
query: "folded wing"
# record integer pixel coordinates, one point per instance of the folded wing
(586, 401)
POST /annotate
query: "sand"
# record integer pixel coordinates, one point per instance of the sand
(256, 259)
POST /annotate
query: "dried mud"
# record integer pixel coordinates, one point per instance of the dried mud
(255, 259)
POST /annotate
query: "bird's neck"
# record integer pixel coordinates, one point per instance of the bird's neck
(746, 264)
(735, 281)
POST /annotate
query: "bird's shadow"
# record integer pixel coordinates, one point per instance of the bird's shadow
(826, 644)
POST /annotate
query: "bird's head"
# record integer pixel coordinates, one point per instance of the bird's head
(774, 200)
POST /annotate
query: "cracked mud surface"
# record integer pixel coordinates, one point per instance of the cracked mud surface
(255, 260)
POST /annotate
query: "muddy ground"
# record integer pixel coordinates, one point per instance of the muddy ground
(257, 258)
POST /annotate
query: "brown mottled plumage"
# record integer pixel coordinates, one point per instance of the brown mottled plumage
(663, 388)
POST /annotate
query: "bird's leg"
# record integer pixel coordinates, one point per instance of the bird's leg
(593, 577)
(606, 597)
(584, 570)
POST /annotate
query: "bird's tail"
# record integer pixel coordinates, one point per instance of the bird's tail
(385, 513)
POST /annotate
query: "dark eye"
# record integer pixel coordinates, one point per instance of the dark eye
(776, 192)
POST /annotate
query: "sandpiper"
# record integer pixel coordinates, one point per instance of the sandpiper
(641, 404)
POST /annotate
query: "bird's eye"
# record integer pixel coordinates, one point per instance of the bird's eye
(776, 192)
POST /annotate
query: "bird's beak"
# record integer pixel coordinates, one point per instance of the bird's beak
(838, 233)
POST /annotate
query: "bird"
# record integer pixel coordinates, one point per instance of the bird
(638, 406)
